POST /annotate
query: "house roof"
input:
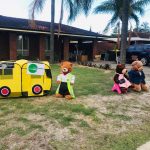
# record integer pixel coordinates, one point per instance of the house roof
(140, 34)
(19, 24)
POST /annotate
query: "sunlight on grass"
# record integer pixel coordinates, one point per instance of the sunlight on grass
(86, 125)
(76, 108)
(88, 81)
(130, 141)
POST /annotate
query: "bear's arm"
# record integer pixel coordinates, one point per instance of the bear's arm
(143, 75)
(126, 76)
(72, 79)
(133, 76)
(59, 79)
(116, 78)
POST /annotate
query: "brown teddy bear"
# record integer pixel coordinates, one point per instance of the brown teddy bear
(121, 79)
(137, 76)
(65, 81)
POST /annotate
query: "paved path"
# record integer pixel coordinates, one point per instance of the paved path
(146, 146)
(128, 66)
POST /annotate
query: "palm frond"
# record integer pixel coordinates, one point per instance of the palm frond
(76, 7)
(86, 6)
(105, 7)
(72, 11)
(143, 2)
(115, 7)
(137, 7)
(134, 17)
(111, 23)
(35, 6)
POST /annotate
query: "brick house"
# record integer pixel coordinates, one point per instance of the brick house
(18, 39)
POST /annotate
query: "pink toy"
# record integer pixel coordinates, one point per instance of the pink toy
(116, 88)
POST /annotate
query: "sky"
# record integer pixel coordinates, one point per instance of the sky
(97, 23)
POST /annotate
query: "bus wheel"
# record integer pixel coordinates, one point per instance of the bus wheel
(5, 91)
(37, 89)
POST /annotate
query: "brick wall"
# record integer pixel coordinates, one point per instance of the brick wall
(4, 45)
(12, 46)
(33, 47)
(42, 47)
(104, 46)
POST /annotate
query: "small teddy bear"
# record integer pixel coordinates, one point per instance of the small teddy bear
(137, 76)
(65, 81)
(121, 79)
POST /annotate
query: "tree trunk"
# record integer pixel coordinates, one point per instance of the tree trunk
(61, 17)
(124, 31)
(52, 31)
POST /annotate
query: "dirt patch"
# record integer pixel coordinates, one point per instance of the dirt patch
(42, 100)
(117, 114)
(35, 117)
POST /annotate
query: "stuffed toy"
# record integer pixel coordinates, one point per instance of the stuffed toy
(137, 76)
(121, 80)
(65, 81)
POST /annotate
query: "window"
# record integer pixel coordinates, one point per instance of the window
(131, 48)
(6, 68)
(139, 47)
(47, 48)
(23, 45)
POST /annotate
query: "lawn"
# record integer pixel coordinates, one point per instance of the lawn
(88, 80)
(96, 120)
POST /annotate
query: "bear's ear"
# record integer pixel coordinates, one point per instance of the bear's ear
(140, 63)
(134, 63)
(121, 66)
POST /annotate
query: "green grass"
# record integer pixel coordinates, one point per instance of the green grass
(84, 122)
(88, 81)
(17, 130)
(3, 147)
(76, 108)
(129, 141)
(24, 120)
(118, 116)
(63, 119)
(74, 131)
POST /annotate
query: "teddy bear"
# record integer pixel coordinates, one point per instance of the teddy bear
(137, 76)
(65, 81)
(121, 79)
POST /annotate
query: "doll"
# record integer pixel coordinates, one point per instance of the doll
(121, 80)
(65, 81)
(137, 77)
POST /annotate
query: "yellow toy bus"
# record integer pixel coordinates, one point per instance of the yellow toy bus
(24, 78)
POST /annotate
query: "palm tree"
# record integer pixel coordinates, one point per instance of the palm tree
(144, 27)
(124, 30)
(52, 31)
(123, 10)
(75, 7)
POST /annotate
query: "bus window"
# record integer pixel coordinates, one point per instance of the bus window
(8, 71)
(1, 71)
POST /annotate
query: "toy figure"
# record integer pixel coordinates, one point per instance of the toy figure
(137, 77)
(121, 80)
(65, 81)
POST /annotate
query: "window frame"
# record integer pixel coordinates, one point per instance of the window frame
(23, 51)
(47, 46)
